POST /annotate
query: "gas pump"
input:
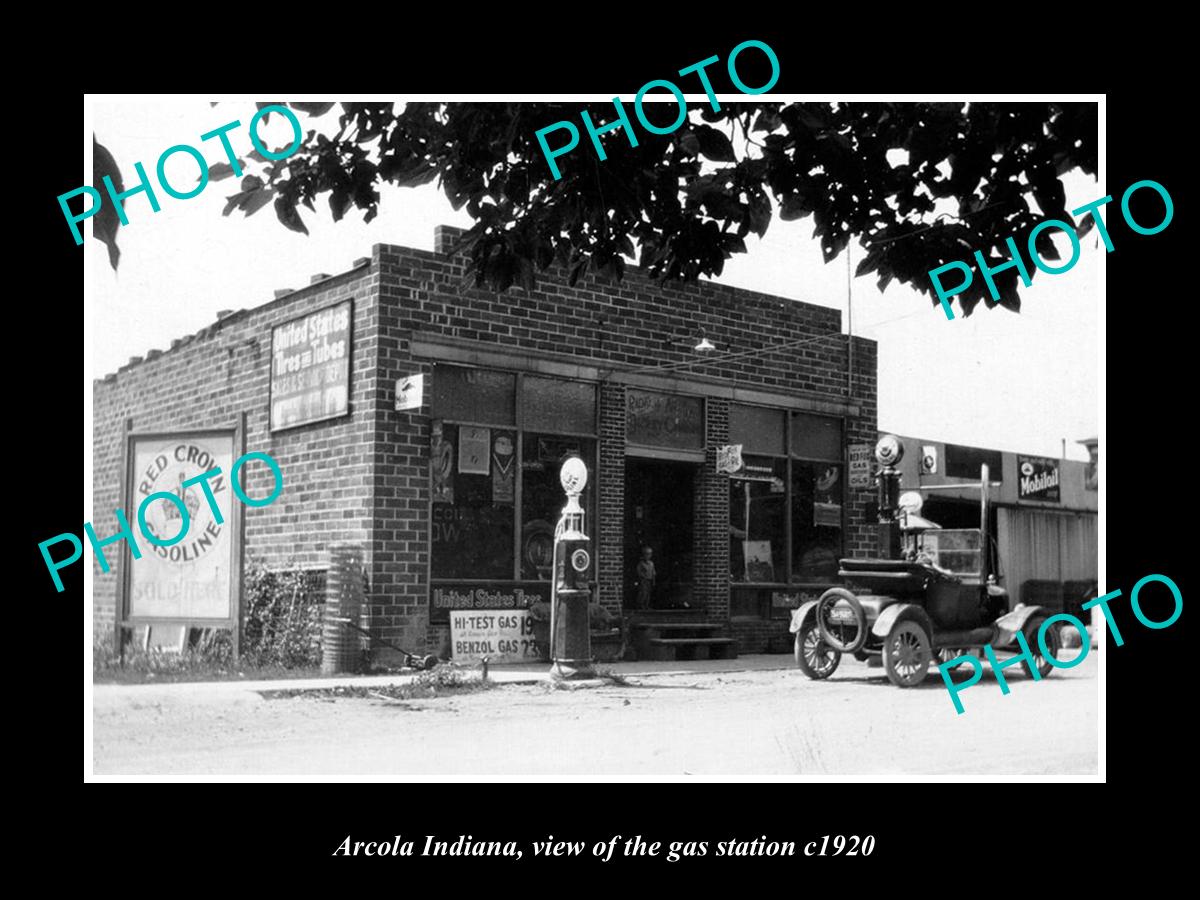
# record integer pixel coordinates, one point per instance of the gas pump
(570, 594)
(888, 453)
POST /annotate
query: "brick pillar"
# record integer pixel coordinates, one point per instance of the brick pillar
(610, 530)
(860, 537)
(712, 518)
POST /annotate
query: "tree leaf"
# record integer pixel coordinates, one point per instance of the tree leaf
(232, 202)
(759, 214)
(289, 216)
(339, 202)
(256, 201)
(714, 144)
(106, 222)
(793, 207)
(219, 171)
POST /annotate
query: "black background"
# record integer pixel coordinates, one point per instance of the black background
(283, 835)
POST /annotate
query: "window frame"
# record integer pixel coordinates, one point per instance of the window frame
(789, 456)
(518, 427)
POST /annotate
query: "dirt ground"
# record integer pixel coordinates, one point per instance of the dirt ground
(763, 722)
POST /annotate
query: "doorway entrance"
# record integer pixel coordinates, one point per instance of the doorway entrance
(659, 514)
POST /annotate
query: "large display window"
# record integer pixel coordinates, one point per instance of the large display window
(495, 489)
(785, 503)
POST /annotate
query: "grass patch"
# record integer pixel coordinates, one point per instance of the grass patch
(444, 681)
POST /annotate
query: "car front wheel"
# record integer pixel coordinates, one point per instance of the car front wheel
(815, 658)
(907, 654)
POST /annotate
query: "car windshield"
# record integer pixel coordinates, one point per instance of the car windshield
(957, 550)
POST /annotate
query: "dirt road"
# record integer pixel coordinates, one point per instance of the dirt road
(773, 722)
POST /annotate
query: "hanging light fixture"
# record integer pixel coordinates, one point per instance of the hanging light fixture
(705, 344)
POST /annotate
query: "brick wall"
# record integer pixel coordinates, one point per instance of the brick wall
(365, 478)
(212, 378)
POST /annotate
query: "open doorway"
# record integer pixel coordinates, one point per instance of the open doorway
(659, 514)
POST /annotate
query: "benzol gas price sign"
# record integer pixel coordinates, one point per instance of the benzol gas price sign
(501, 636)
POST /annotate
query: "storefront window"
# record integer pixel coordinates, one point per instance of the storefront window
(758, 521)
(550, 404)
(758, 429)
(542, 497)
(816, 437)
(477, 479)
(473, 492)
(484, 396)
(816, 520)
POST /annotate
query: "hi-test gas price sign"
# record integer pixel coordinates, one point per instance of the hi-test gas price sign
(500, 636)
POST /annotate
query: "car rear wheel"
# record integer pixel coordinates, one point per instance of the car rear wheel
(907, 654)
(841, 620)
(815, 658)
(943, 655)
(1053, 644)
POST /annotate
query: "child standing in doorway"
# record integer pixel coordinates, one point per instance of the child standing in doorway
(646, 576)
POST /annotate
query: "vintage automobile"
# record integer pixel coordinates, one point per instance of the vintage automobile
(939, 600)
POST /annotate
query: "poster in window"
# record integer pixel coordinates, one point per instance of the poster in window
(827, 514)
(191, 579)
(441, 464)
(474, 450)
(502, 469)
(759, 564)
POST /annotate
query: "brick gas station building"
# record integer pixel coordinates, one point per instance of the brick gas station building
(453, 497)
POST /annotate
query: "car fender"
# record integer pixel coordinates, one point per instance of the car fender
(1012, 622)
(897, 611)
(799, 613)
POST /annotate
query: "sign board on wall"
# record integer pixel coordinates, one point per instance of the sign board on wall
(310, 367)
(860, 466)
(500, 636)
(471, 595)
(729, 458)
(664, 420)
(193, 580)
(929, 459)
(794, 598)
(410, 393)
(1037, 478)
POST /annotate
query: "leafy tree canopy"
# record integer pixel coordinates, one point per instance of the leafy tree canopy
(683, 203)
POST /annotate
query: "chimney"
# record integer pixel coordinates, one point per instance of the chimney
(320, 276)
(445, 237)
(223, 314)
(282, 292)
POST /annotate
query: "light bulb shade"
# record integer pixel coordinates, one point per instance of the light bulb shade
(704, 346)
(889, 450)
(573, 475)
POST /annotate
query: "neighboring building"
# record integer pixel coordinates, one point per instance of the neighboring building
(454, 499)
(1044, 515)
